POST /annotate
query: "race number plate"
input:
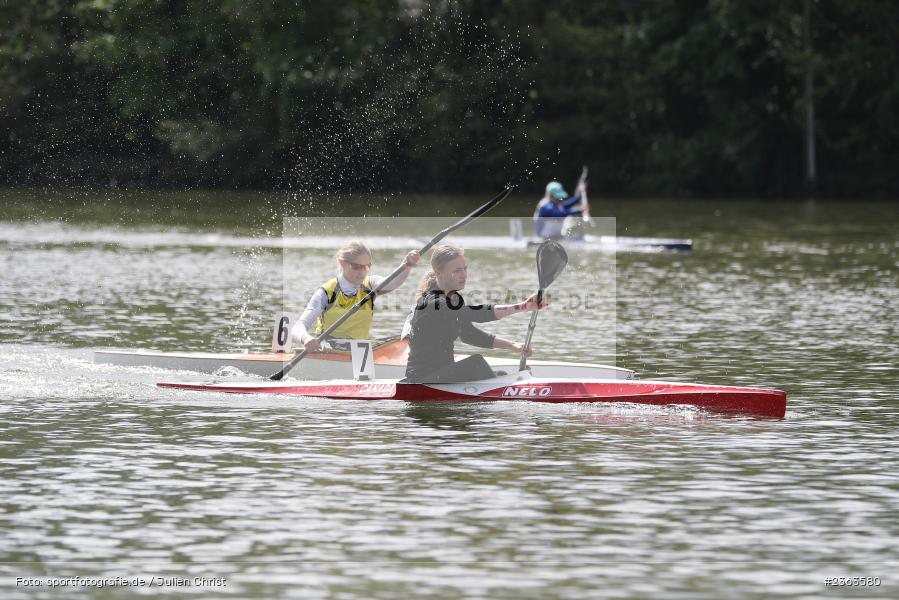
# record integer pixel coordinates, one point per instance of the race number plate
(282, 341)
(363, 360)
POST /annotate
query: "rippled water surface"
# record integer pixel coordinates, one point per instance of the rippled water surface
(104, 475)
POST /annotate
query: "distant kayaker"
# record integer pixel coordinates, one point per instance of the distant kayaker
(339, 294)
(554, 207)
(441, 315)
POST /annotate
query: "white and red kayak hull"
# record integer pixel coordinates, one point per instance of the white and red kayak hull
(754, 401)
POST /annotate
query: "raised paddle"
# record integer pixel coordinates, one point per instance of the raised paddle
(324, 334)
(584, 200)
(551, 261)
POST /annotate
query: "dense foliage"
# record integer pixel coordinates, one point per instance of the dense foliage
(688, 97)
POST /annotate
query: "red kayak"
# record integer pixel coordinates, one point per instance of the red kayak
(521, 386)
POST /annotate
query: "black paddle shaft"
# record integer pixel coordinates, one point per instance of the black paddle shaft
(465, 221)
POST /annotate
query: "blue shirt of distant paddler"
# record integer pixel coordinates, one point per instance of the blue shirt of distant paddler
(552, 210)
(339, 294)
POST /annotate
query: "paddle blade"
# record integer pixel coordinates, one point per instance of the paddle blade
(551, 261)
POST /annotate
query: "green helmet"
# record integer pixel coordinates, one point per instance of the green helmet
(554, 189)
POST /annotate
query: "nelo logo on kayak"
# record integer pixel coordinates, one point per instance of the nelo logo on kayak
(528, 391)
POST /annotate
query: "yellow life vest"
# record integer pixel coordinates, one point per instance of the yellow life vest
(356, 327)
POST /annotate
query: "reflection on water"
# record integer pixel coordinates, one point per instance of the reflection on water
(438, 415)
(105, 475)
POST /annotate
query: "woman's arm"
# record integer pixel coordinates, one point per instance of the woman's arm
(504, 344)
(504, 310)
(476, 337)
(409, 261)
(573, 201)
(317, 305)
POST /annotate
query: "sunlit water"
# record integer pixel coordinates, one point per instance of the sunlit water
(106, 475)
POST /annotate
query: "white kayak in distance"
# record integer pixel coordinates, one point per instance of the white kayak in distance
(589, 243)
(585, 242)
(519, 386)
(389, 359)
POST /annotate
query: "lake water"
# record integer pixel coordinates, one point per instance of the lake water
(104, 475)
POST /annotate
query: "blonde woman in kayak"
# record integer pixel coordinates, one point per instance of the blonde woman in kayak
(339, 294)
(441, 315)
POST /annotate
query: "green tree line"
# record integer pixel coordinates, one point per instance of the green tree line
(704, 97)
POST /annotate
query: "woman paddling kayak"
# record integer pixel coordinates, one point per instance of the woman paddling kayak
(549, 217)
(441, 315)
(339, 294)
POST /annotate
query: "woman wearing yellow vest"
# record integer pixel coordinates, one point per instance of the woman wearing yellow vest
(341, 293)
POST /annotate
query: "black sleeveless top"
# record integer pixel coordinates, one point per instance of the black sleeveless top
(436, 323)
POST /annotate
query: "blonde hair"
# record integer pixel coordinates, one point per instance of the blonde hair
(440, 256)
(352, 250)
